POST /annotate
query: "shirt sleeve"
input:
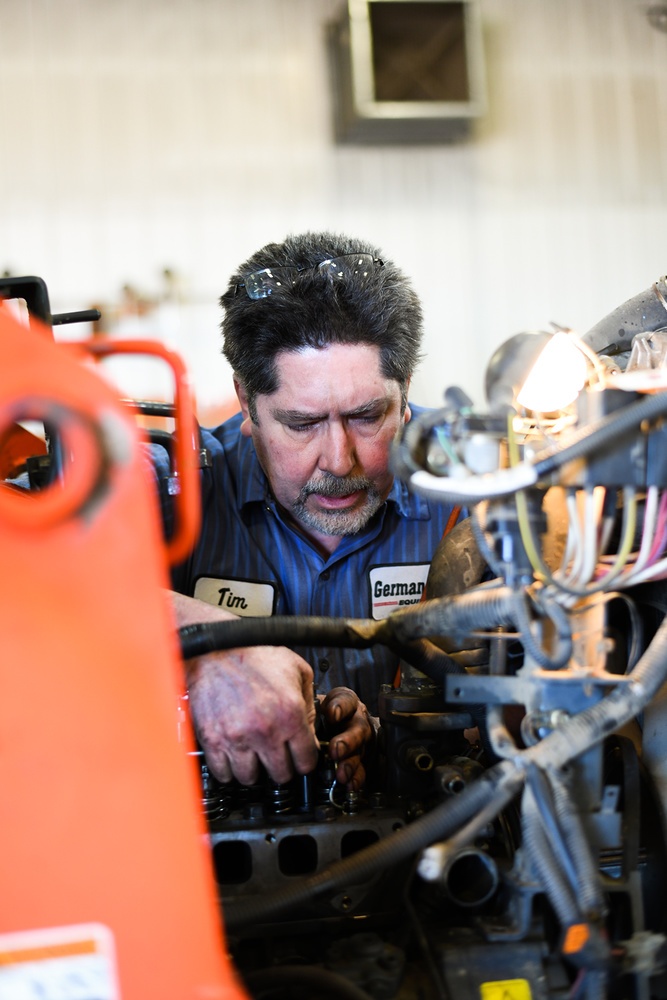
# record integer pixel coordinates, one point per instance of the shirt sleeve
(160, 463)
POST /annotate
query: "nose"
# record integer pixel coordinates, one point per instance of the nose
(338, 454)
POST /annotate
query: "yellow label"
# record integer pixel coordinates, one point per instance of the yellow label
(506, 989)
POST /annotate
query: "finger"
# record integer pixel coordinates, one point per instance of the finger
(303, 750)
(244, 765)
(307, 691)
(219, 767)
(351, 741)
(351, 773)
(339, 704)
(278, 763)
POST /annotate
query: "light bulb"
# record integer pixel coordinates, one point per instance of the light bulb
(556, 378)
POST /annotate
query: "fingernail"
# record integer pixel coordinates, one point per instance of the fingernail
(340, 746)
(337, 713)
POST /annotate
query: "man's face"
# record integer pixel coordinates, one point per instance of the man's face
(323, 438)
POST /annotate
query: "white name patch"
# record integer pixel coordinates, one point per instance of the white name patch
(244, 598)
(395, 587)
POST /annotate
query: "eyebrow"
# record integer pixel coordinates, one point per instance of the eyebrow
(300, 417)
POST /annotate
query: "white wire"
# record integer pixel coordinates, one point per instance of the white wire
(605, 534)
(613, 576)
(653, 572)
(574, 548)
(586, 542)
(628, 578)
(591, 536)
(569, 548)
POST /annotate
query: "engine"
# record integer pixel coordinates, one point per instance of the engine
(510, 841)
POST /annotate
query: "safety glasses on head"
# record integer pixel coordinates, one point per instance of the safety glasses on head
(274, 280)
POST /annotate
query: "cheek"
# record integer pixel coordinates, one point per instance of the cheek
(374, 456)
(289, 462)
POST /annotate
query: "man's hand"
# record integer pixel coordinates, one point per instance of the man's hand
(350, 719)
(249, 706)
(254, 706)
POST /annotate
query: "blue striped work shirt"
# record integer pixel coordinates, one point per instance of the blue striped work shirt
(249, 560)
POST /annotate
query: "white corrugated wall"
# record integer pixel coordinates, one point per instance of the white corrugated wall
(138, 135)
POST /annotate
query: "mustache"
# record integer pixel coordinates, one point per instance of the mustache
(328, 485)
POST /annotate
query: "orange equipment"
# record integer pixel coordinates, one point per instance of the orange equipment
(105, 875)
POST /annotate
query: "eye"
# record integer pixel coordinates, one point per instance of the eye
(368, 419)
(300, 428)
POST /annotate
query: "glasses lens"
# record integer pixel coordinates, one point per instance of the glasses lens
(261, 284)
(272, 280)
(349, 265)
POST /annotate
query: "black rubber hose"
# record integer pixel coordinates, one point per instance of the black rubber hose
(295, 630)
(482, 608)
(280, 630)
(499, 785)
(430, 660)
(406, 632)
(283, 630)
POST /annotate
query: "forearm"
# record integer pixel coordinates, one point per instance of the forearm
(190, 611)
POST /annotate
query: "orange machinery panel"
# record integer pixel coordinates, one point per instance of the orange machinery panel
(104, 868)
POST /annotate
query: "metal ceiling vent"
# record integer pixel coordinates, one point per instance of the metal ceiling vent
(407, 71)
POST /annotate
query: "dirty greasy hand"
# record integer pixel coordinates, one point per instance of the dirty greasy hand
(349, 719)
(249, 706)
(253, 707)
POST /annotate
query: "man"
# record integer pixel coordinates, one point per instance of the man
(301, 513)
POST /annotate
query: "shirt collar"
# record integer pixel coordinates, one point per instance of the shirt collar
(253, 486)
(410, 505)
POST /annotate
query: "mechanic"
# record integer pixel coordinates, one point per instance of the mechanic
(301, 513)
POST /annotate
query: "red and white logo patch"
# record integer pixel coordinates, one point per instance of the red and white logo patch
(395, 587)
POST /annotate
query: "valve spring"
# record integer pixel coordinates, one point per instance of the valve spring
(247, 795)
(324, 781)
(217, 799)
(280, 798)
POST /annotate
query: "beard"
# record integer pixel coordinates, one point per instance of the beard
(337, 522)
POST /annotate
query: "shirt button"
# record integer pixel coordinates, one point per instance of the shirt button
(325, 574)
(324, 665)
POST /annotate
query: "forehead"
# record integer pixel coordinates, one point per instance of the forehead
(336, 378)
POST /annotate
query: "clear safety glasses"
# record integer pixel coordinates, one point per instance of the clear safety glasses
(273, 280)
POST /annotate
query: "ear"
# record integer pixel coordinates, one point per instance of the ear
(246, 424)
(407, 413)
